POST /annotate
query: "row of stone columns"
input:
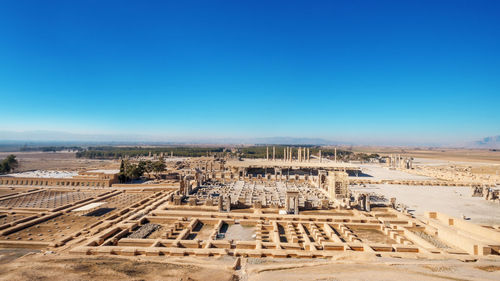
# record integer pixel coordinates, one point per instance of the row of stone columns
(303, 154)
(397, 161)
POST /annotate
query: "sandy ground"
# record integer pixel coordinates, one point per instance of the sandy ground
(57, 161)
(239, 232)
(54, 267)
(451, 200)
(378, 172)
(376, 269)
(477, 167)
(465, 155)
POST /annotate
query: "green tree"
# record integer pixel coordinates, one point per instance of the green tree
(149, 168)
(158, 167)
(9, 164)
(122, 177)
(134, 171)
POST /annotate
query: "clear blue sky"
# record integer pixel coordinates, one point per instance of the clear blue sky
(416, 71)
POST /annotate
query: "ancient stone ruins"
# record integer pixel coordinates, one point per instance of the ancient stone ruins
(297, 206)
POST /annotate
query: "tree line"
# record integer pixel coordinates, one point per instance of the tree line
(257, 151)
(111, 152)
(50, 148)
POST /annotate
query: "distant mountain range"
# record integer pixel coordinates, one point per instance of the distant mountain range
(293, 141)
(66, 138)
(134, 139)
(488, 142)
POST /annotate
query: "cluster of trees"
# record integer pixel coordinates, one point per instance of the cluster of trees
(365, 157)
(342, 155)
(50, 148)
(8, 164)
(111, 152)
(130, 171)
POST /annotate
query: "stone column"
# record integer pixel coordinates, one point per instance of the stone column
(284, 154)
(267, 153)
(228, 204)
(220, 203)
(292, 196)
(335, 154)
(320, 156)
(182, 188)
(177, 200)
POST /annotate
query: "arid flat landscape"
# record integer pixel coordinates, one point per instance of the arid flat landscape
(30, 161)
(249, 140)
(491, 156)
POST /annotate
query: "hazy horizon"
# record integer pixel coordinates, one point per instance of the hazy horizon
(55, 137)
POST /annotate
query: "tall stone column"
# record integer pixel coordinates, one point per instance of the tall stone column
(274, 153)
(320, 156)
(228, 204)
(219, 204)
(335, 154)
(267, 153)
(284, 154)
